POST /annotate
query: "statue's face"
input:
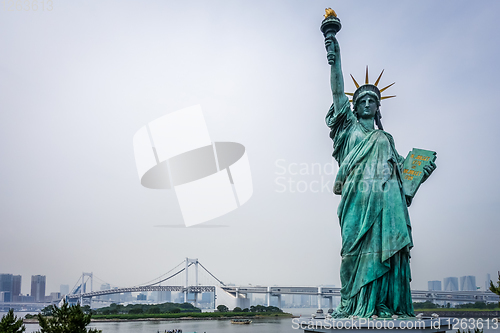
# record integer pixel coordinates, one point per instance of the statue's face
(367, 107)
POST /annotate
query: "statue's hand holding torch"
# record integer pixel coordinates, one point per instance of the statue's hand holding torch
(332, 49)
(330, 27)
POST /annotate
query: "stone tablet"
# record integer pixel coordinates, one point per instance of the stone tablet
(413, 169)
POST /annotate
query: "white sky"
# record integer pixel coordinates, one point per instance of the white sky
(77, 82)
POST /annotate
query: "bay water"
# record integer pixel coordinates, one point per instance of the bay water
(264, 325)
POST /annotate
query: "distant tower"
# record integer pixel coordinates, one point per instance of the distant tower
(468, 283)
(5, 282)
(6, 287)
(105, 286)
(16, 285)
(38, 287)
(434, 285)
(450, 284)
(163, 296)
(487, 282)
(64, 289)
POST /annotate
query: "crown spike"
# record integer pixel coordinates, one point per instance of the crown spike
(381, 90)
(386, 97)
(350, 94)
(355, 83)
(376, 82)
(366, 76)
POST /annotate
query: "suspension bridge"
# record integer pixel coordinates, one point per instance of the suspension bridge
(233, 296)
(80, 294)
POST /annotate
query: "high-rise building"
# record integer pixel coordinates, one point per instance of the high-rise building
(5, 296)
(16, 285)
(55, 296)
(10, 285)
(305, 300)
(468, 283)
(126, 297)
(487, 282)
(6, 287)
(64, 289)
(434, 285)
(295, 300)
(163, 296)
(115, 297)
(38, 287)
(5, 282)
(450, 284)
(105, 286)
(207, 297)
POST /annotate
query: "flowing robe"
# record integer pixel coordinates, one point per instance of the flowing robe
(374, 221)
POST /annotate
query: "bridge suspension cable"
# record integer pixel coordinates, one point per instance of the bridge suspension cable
(79, 285)
(148, 283)
(182, 270)
(171, 276)
(199, 263)
(74, 289)
(97, 278)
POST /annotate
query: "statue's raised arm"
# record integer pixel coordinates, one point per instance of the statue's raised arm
(336, 77)
(330, 26)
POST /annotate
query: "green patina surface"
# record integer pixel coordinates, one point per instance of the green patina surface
(373, 214)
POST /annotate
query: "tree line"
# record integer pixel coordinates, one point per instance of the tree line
(256, 308)
(147, 308)
(64, 319)
(477, 305)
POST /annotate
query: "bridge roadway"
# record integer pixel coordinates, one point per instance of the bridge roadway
(190, 289)
(328, 292)
(5, 306)
(325, 292)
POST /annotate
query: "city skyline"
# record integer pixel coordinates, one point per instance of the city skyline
(205, 301)
(462, 283)
(77, 82)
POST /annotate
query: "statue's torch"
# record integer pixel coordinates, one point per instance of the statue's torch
(331, 24)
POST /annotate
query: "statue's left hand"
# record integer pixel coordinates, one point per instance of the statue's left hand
(428, 170)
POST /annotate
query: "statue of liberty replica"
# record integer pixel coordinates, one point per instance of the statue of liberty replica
(372, 181)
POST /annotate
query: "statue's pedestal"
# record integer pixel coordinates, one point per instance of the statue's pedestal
(365, 325)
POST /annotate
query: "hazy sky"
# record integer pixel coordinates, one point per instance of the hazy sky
(78, 81)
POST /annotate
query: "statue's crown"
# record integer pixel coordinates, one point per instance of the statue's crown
(368, 88)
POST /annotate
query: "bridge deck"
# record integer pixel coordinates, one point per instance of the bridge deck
(450, 296)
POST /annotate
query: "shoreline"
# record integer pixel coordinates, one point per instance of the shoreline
(187, 318)
(461, 314)
(453, 314)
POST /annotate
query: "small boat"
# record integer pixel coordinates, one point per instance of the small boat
(241, 321)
